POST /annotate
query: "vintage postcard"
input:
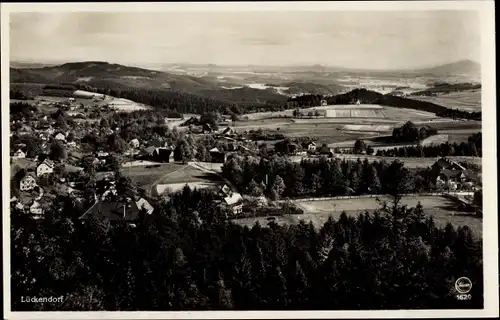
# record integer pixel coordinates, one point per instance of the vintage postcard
(249, 160)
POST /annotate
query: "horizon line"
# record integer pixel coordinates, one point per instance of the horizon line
(304, 65)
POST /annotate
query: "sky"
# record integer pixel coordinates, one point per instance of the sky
(372, 40)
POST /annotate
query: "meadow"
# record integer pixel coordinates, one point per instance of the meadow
(441, 209)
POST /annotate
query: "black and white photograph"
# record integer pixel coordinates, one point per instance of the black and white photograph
(216, 159)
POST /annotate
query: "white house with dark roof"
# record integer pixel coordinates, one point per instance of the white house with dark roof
(134, 143)
(235, 202)
(60, 136)
(19, 154)
(47, 166)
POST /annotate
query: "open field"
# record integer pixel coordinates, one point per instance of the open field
(441, 209)
(435, 140)
(21, 164)
(211, 166)
(186, 173)
(145, 176)
(156, 179)
(348, 122)
(125, 105)
(368, 127)
(465, 100)
(351, 111)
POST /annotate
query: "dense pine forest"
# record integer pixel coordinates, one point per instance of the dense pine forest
(186, 256)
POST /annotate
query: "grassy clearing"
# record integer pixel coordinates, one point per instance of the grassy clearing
(21, 164)
(187, 174)
(146, 175)
(441, 209)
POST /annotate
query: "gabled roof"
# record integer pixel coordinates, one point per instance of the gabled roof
(48, 162)
(113, 210)
(444, 163)
(233, 199)
(451, 173)
(149, 150)
(214, 150)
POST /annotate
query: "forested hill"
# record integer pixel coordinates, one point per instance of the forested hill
(365, 96)
(151, 87)
(93, 72)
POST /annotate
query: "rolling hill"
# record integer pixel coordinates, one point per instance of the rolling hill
(111, 76)
(95, 71)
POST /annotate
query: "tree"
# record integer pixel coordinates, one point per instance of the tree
(254, 189)
(370, 150)
(359, 146)
(278, 187)
(58, 151)
(398, 181)
(70, 137)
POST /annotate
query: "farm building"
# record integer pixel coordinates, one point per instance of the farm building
(444, 163)
(162, 155)
(217, 156)
(47, 166)
(127, 210)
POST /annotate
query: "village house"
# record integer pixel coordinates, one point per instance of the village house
(101, 154)
(19, 206)
(134, 143)
(207, 128)
(19, 154)
(47, 166)
(36, 209)
(43, 136)
(235, 203)
(71, 144)
(217, 156)
(27, 183)
(451, 175)
(227, 131)
(309, 146)
(60, 136)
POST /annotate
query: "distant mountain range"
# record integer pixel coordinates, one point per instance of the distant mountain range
(316, 79)
(463, 68)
